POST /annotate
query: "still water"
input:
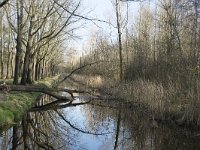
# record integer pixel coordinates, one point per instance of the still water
(92, 127)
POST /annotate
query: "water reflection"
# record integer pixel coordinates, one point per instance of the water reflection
(82, 125)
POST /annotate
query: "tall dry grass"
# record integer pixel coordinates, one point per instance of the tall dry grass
(161, 100)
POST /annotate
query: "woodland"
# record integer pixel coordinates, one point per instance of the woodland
(155, 62)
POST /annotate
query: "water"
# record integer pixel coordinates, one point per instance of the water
(93, 127)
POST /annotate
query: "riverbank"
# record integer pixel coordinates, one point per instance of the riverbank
(14, 104)
(163, 104)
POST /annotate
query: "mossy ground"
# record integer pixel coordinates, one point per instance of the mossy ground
(48, 81)
(14, 105)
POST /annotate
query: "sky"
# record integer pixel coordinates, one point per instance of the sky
(103, 10)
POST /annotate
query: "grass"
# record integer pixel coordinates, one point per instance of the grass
(14, 105)
(48, 81)
(7, 81)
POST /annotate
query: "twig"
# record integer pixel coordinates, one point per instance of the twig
(3, 3)
(83, 17)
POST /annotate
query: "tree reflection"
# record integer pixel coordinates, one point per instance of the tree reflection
(15, 137)
(117, 129)
(39, 130)
(46, 126)
(136, 130)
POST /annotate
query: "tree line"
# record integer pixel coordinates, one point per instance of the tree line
(162, 46)
(33, 37)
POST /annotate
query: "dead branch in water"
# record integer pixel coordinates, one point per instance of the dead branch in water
(42, 89)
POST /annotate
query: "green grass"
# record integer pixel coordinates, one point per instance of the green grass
(13, 106)
(7, 81)
(48, 81)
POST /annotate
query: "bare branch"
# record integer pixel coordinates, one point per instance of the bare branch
(35, 88)
(53, 34)
(83, 17)
(75, 70)
(3, 3)
(56, 105)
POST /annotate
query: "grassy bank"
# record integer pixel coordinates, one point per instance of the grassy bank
(13, 105)
(161, 102)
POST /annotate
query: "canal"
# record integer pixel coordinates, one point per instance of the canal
(100, 125)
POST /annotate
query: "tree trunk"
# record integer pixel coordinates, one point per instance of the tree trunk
(42, 89)
(33, 69)
(119, 39)
(12, 68)
(43, 68)
(30, 72)
(25, 67)
(8, 65)
(127, 41)
(37, 70)
(2, 46)
(9, 55)
(27, 59)
(19, 41)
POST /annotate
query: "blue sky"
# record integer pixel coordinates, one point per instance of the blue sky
(104, 10)
(99, 7)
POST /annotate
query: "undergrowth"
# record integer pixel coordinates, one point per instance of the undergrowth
(14, 105)
(164, 102)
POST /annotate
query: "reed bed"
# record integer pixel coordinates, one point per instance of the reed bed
(163, 102)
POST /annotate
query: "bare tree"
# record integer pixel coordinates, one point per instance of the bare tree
(119, 29)
(2, 44)
(18, 40)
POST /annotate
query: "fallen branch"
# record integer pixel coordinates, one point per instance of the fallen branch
(75, 70)
(81, 67)
(56, 105)
(42, 89)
